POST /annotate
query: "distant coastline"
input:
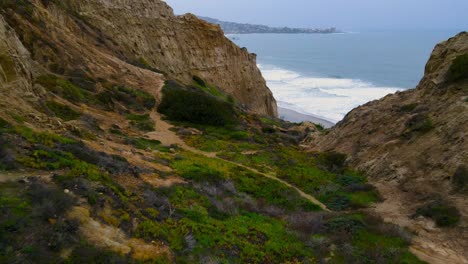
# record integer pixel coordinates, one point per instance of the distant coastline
(241, 28)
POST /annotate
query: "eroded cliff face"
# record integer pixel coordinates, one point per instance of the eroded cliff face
(412, 144)
(96, 37)
(180, 46)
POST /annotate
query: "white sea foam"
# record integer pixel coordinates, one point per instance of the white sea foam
(330, 98)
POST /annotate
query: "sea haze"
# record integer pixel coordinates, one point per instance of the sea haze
(328, 75)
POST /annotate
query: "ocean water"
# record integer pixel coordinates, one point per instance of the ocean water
(328, 75)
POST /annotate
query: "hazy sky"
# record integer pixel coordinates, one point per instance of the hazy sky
(344, 14)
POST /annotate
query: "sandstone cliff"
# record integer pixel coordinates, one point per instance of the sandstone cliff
(414, 145)
(143, 33)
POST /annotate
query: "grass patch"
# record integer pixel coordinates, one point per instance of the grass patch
(459, 69)
(4, 125)
(460, 178)
(63, 88)
(444, 214)
(26, 232)
(202, 169)
(129, 98)
(420, 123)
(212, 90)
(23, 7)
(240, 238)
(408, 107)
(141, 122)
(198, 107)
(62, 111)
(147, 144)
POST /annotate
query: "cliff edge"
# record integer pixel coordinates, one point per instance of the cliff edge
(146, 34)
(414, 146)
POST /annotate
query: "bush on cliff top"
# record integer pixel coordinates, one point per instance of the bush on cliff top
(459, 68)
(441, 212)
(180, 104)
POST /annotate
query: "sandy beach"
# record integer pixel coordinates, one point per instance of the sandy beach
(293, 116)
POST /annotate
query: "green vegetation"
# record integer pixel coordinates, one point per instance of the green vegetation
(147, 144)
(199, 81)
(63, 88)
(320, 127)
(408, 107)
(420, 123)
(44, 138)
(18, 118)
(198, 107)
(460, 178)
(332, 161)
(62, 111)
(129, 98)
(23, 7)
(323, 175)
(210, 89)
(141, 122)
(26, 234)
(4, 124)
(219, 212)
(201, 169)
(459, 69)
(441, 212)
(8, 67)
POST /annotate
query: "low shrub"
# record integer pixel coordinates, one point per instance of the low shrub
(459, 68)
(48, 202)
(7, 157)
(444, 214)
(145, 144)
(320, 127)
(350, 224)
(62, 88)
(199, 81)
(131, 98)
(408, 107)
(421, 123)
(86, 253)
(62, 111)
(23, 7)
(337, 202)
(179, 104)
(200, 173)
(268, 130)
(332, 161)
(141, 122)
(460, 178)
(4, 125)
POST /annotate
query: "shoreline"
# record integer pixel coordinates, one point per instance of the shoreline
(296, 117)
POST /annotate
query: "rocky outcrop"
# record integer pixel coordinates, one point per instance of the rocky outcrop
(147, 32)
(99, 36)
(412, 143)
(16, 71)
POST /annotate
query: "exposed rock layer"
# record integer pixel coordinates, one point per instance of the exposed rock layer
(180, 46)
(70, 35)
(411, 143)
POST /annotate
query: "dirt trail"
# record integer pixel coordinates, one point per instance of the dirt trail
(421, 248)
(168, 137)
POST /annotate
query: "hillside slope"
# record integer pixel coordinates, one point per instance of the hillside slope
(106, 159)
(414, 146)
(144, 33)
